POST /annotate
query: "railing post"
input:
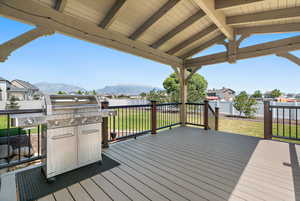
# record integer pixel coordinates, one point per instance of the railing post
(205, 115)
(217, 112)
(104, 105)
(267, 120)
(153, 117)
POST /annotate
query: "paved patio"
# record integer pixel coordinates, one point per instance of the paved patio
(193, 164)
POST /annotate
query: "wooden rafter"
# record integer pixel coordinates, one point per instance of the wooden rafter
(218, 17)
(185, 24)
(264, 16)
(193, 39)
(224, 4)
(40, 15)
(60, 5)
(276, 28)
(112, 14)
(274, 47)
(290, 57)
(8, 47)
(154, 18)
(203, 46)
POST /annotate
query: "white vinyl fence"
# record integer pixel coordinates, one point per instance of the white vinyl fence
(227, 108)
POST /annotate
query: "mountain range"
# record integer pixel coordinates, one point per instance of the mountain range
(53, 88)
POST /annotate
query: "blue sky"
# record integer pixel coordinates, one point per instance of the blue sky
(61, 59)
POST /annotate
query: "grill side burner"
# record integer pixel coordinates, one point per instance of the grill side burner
(71, 137)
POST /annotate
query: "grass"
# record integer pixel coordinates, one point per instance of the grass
(12, 131)
(256, 129)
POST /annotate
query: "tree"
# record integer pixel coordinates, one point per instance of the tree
(275, 93)
(61, 92)
(257, 94)
(94, 92)
(245, 104)
(143, 95)
(80, 92)
(13, 104)
(197, 86)
(158, 95)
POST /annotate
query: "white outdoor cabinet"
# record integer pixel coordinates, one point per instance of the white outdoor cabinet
(89, 144)
(61, 151)
(69, 148)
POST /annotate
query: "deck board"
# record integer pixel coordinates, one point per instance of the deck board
(95, 192)
(193, 164)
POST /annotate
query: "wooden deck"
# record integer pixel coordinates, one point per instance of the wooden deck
(193, 164)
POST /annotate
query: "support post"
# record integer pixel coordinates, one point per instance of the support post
(205, 115)
(217, 112)
(153, 117)
(104, 105)
(267, 120)
(183, 95)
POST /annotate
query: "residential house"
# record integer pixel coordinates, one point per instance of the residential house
(20, 89)
(224, 94)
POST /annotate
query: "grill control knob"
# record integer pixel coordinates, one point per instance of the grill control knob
(84, 120)
(72, 121)
(29, 121)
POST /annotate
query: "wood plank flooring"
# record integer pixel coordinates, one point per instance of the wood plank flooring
(193, 164)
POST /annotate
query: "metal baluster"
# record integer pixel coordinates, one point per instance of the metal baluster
(277, 121)
(290, 123)
(19, 143)
(283, 123)
(8, 137)
(38, 131)
(297, 123)
(29, 141)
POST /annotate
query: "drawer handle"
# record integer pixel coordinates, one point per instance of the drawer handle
(87, 132)
(62, 136)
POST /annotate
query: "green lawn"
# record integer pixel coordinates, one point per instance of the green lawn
(12, 131)
(253, 128)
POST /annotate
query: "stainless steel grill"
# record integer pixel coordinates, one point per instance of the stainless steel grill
(71, 131)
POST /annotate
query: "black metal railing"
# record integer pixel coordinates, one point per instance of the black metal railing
(130, 121)
(285, 121)
(134, 120)
(195, 114)
(18, 145)
(168, 115)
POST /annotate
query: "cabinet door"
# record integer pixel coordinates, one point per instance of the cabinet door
(89, 144)
(61, 150)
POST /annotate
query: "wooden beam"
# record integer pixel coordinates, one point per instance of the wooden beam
(37, 14)
(60, 5)
(193, 39)
(265, 29)
(8, 47)
(203, 46)
(290, 57)
(194, 70)
(218, 17)
(185, 24)
(112, 14)
(274, 47)
(225, 4)
(285, 13)
(154, 18)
